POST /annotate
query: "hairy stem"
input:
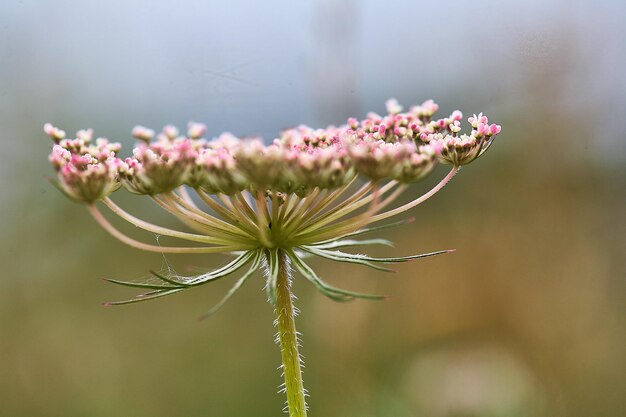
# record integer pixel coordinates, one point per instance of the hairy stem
(288, 339)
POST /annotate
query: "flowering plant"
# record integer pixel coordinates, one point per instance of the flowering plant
(271, 206)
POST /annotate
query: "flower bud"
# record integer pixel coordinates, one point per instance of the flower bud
(196, 130)
(55, 133)
(143, 133)
(392, 106)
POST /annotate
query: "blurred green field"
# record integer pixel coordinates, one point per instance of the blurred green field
(525, 319)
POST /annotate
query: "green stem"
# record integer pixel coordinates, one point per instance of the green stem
(288, 339)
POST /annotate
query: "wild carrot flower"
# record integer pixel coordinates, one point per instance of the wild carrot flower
(309, 193)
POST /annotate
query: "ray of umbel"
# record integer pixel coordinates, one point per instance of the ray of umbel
(310, 193)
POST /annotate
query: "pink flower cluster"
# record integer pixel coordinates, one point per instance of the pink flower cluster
(462, 149)
(86, 171)
(163, 164)
(399, 146)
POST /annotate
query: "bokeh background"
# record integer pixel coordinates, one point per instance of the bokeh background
(527, 318)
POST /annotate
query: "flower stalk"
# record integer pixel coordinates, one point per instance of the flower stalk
(288, 339)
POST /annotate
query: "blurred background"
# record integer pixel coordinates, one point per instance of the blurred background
(526, 319)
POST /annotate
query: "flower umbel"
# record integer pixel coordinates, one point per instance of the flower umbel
(309, 193)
